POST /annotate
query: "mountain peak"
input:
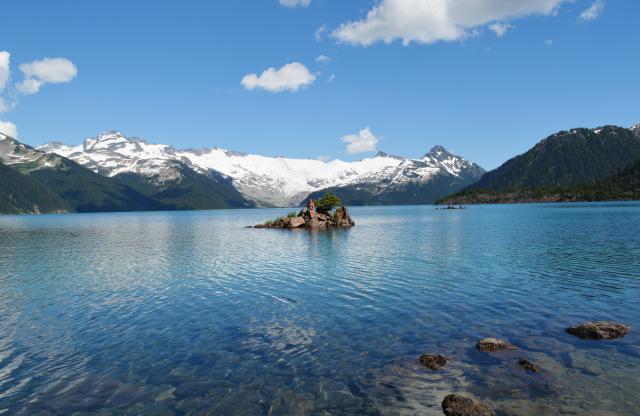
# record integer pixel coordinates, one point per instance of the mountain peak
(105, 140)
(110, 134)
(635, 128)
(52, 147)
(438, 152)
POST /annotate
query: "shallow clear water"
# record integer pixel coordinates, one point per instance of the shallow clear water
(191, 313)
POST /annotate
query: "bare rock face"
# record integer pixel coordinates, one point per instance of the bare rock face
(456, 405)
(433, 361)
(493, 344)
(528, 365)
(599, 330)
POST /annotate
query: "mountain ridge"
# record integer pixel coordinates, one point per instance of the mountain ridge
(568, 165)
(21, 194)
(567, 158)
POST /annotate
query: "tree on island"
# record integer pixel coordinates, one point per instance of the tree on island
(327, 203)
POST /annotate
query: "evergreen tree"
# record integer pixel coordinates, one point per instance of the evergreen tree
(327, 202)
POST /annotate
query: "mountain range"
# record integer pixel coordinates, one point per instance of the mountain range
(111, 172)
(274, 181)
(577, 165)
(114, 173)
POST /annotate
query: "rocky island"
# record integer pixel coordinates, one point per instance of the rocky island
(316, 215)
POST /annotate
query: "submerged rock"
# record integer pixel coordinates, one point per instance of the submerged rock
(599, 330)
(528, 365)
(493, 344)
(433, 361)
(457, 405)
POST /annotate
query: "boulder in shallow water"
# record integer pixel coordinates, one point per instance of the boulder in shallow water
(457, 405)
(433, 361)
(599, 330)
(528, 365)
(493, 344)
(342, 218)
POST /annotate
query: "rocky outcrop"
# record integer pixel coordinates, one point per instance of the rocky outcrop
(599, 330)
(457, 405)
(295, 222)
(493, 344)
(342, 218)
(310, 219)
(433, 361)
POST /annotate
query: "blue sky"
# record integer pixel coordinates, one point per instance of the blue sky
(415, 72)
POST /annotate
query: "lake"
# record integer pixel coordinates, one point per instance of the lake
(191, 313)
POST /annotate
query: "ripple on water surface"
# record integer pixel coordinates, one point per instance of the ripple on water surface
(191, 313)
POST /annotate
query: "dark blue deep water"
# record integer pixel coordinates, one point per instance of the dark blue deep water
(193, 314)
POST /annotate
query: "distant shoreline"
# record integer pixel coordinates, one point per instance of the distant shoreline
(436, 205)
(529, 197)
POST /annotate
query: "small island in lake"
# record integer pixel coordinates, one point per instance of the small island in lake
(451, 207)
(316, 215)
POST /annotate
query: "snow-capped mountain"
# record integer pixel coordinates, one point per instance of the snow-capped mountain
(274, 181)
(12, 152)
(112, 154)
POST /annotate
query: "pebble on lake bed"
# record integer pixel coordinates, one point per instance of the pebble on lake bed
(457, 405)
(528, 365)
(493, 344)
(433, 361)
(599, 330)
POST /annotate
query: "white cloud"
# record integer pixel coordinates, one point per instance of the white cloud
(295, 3)
(9, 129)
(4, 107)
(364, 141)
(29, 86)
(593, 12)
(331, 78)
(319, 32)
(46, 71)
(323, 58)
(500, 29)
(290, 77)
(4, 69)
(430, 21)
(548, 42)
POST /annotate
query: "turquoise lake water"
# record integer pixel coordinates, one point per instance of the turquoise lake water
(190, 313)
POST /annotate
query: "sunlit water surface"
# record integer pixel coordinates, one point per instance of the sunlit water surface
(191, 313)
